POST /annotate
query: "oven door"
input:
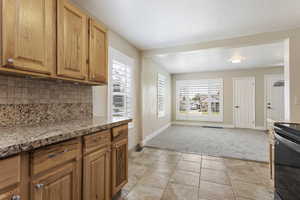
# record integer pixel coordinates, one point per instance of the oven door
(287, 167)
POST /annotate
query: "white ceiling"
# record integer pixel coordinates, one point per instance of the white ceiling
(163, 23)
(259, 56)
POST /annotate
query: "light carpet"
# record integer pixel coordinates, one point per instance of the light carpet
(243, 144)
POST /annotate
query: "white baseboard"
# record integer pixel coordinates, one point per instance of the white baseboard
(202, 124)
(260, 128)
(155, 133)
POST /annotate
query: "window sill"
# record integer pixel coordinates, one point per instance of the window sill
(200, 118)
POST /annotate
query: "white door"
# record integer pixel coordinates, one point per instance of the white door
(244, 102)
(274, 98)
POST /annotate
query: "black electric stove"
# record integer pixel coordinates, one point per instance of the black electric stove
(287, 161)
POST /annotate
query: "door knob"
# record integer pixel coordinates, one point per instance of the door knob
(16, 197)
(236, 106)
(269, 107)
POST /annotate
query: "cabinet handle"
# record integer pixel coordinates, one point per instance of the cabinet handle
(16, 197)
(56, 154)
(96, 140)
(39, 186)
(10, 61)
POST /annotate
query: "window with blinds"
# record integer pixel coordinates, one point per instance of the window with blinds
(161, 95)
(200, 100)
(121, 86)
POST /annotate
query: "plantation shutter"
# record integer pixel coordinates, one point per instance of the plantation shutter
(121, 86)
(161, 95)
(200, 99)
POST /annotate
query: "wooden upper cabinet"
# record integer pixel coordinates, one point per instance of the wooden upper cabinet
(97, 52)
(29, 35)
(72, 36)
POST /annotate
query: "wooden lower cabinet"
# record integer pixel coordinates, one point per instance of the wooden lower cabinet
(96, 170)
(60, 184)
(96, 175)
(12, 194)
(119, 165)
(10, 178)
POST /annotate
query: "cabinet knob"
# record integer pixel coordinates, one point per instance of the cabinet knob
(39, 186)
(16, 197)
(10, 61)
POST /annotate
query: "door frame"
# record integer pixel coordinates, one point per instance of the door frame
(254, 98)
(266, 77)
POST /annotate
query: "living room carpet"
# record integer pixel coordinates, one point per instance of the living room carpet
(243, 144)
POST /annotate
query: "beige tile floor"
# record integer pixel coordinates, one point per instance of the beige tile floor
(165, 175)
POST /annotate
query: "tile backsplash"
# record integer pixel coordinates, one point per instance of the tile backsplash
(32, 101)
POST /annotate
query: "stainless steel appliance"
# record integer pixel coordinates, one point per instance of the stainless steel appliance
(287, 161)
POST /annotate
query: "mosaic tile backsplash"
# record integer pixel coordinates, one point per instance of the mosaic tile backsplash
(33, 101)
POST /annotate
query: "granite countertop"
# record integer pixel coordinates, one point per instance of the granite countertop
(25, 138)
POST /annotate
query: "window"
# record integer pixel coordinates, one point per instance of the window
(200, 100)
(121, 85)
(161, 95)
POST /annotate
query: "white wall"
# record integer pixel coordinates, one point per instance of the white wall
(292, 62)
(227, 77)
(150, 121)
(292, 73)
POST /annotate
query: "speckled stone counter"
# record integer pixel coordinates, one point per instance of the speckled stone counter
(26, 138)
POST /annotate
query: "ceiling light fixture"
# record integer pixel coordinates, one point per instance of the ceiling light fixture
(234, 61)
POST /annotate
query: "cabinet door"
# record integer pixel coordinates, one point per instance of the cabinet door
(29, 35)
(119, 165)
(72, 41)
(96, 175)
(97, 52)
(60, 184)
(9, 195)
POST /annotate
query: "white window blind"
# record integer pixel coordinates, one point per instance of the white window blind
(161, 95)
(200, 100)
(121, 85)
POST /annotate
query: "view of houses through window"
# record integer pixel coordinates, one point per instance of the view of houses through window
(200, 100)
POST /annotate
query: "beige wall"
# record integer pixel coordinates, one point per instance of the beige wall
(292, 60)
(228, 89)
(292, 73)
(100, 93)
(151, 122)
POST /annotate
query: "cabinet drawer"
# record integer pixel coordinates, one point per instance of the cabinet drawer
(96, 141)
(10, 170)
(54, 155)
(120, 132)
